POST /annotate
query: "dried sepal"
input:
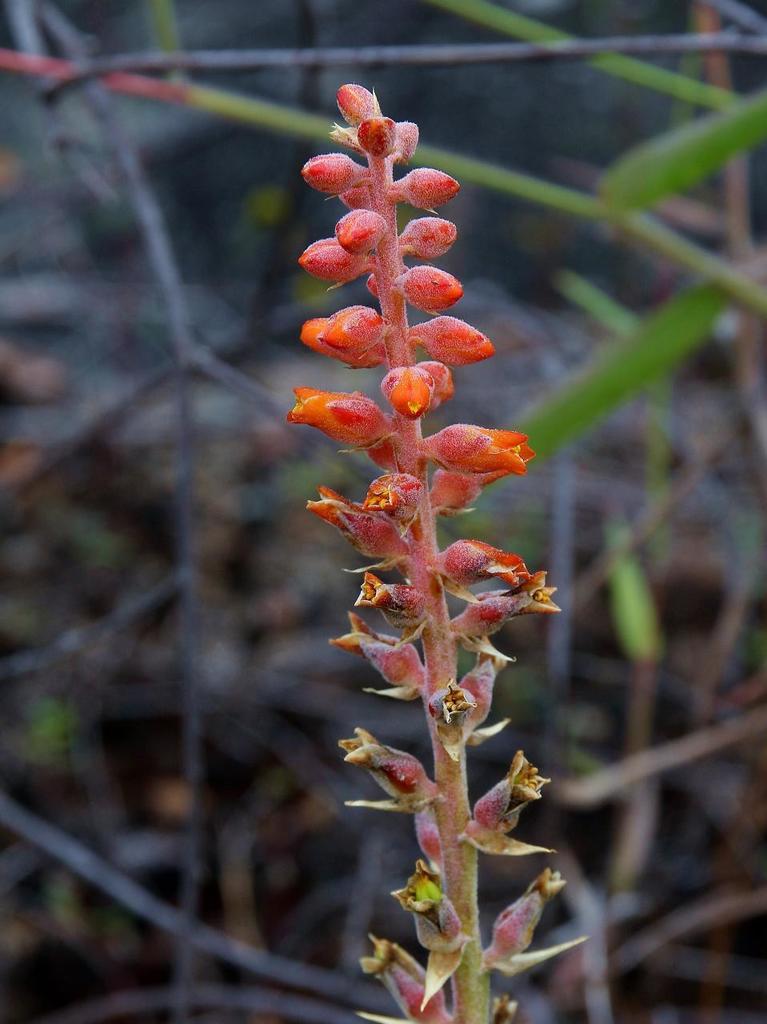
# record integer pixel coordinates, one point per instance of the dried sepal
(524, 961)
(437, 923)
(440, 967)
(401, 605)
(479, 736)
(404, 978)
(451, 708)
(398, 773)
(504, 1010)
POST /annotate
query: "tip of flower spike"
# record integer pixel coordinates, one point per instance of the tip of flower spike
(356, 103)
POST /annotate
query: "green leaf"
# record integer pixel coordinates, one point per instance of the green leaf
(598, 304)
(624, 368)
(517, 26)
(633, 608)
(677, 159)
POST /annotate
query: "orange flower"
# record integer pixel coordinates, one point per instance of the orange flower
(409, 389)
(352, 419)
(470, 449)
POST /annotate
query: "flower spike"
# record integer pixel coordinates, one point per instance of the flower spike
(395, 524)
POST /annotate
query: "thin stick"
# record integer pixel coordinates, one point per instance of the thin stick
(146, 1001)
(75, 640)
(163, 263)
(611, 782)
(123, 890)
(426, 55)
(740, 14)
(712, 911)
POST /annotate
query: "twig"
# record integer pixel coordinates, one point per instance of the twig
(425, 55)
(162, 260)
(610, 782)
(215, 997)
(592, 578)
(89, 866)
(740, 14)
(715, 910)
(75, 640)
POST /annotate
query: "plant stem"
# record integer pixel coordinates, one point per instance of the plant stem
(471, 988)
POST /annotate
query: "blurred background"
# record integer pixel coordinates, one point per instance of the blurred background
(645, 700)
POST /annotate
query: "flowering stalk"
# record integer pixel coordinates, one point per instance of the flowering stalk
(396, 525)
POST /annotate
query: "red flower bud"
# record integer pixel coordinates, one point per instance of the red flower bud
(356, 198)
(427, 237)
(443, 382)
(399, 664)
(328, 261)
(349, 336)
(452, 341)
(480, 682)
(425, 188)
(372, 286)
(430, 289)
(357, 328)
(472, 449)
(494, 608)
(514, 927)
(356, 103)
(407, 141)
(404, 979)
(471, 561)
(377, 136)
(396, 494)
(499, 809)
(400, 775)
(427, 834)
(349, 418)
(333, 173)
(401, 605)
(360, 231)
(409, 390)
(371, 534)
(452, 492)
